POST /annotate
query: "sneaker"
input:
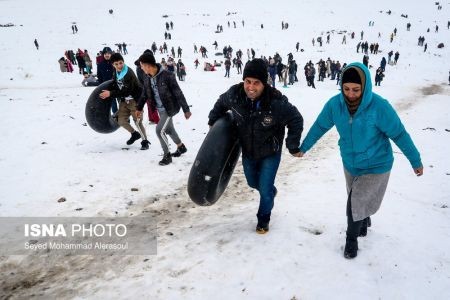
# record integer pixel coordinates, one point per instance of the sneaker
(263, 223)
(262, 228)
(180, 150)
(351, 249)
(167, 159)
(134, 137)
(145, 144)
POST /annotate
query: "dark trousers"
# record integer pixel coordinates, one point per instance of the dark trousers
(353, 228)
(114, 107)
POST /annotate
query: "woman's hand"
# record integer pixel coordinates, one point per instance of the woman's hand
(419, 171)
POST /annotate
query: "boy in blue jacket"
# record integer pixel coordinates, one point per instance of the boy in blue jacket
(365, 123)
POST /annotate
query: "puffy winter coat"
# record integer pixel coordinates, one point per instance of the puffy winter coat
(169, 91)
(127, 86)
(260, 123)
(364, 137)
(105, 71)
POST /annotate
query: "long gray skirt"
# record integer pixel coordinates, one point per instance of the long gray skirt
(367, 193)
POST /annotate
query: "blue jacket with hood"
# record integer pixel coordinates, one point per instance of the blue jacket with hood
(364, 137)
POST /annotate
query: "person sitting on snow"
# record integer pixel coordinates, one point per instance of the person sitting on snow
(208, 67)
(89, 79)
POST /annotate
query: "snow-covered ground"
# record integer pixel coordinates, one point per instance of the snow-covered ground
(47, 152)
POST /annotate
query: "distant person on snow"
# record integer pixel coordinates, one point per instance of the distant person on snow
(36, 44)
(366, 60)
(80, 61)
(261, 114)
(87, 61)
(125, 87)
(379, 76)
(227, 67)
(89, 79)
(181, 70)
(365, 122)
(396, 56)
(63, 65)
(383, 64)
(105, 71)
(161, 87)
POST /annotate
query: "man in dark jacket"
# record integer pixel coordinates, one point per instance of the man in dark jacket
(125, 87)
(161, 87)
(105, 71)
(261, 114)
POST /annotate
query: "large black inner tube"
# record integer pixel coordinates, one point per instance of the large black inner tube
(215, 163)
(98, 111)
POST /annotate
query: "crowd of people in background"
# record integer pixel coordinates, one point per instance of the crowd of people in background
(285, 72)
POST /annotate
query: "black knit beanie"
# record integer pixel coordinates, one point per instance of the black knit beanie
(107, 50)
(351, 75)
(148, 58)
(256, 68)
(116, 57)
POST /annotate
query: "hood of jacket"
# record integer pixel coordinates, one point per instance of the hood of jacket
(367, 94)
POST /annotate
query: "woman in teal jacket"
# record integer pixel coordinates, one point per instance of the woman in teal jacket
(365, 123)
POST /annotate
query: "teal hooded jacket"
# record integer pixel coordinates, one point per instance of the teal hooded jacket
(364, 137)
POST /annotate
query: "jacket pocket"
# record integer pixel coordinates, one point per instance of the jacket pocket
(361, 160)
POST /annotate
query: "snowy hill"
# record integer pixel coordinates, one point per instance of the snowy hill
(47, 152)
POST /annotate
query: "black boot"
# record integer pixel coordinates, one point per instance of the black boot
(134, 137)
(363, 231)
(167, 159)
(366, 223)
(180, 150)
(263, 223)
(351, 248)
(145, 144)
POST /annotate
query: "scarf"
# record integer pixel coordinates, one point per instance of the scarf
(120, 75)
(352, 106)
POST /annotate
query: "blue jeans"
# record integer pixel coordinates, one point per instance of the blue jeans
(114, 108)
(260, 175)
(273, 79)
